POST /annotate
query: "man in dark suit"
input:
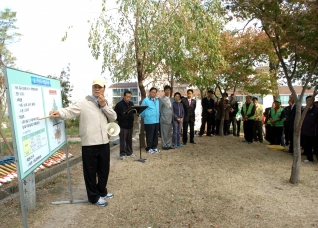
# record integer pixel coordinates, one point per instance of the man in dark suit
(126, 123)
(232, 114)
(207, 114)
(290, 123)
(189, 105)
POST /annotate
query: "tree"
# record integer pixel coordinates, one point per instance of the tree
(146, 35)
(202, 24)
(8, 35)
(291, 27)
(66, 86)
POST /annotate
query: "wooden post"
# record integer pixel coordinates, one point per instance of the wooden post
(29, 191)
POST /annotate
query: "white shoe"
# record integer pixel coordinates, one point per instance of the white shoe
(307, 161)
(132, 156)
(150, 151)
(156, 151)
(109, 195)
(122, 157)
(101, 202)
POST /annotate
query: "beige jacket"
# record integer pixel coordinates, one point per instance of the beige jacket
(92, 120)
(258, 116)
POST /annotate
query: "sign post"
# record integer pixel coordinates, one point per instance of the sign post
(31, 97)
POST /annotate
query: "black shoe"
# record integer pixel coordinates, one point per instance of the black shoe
(200, 135)
(171, 148)
(165, 148)
(193, 142)
(261, 141)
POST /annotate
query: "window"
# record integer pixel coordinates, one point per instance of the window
(239, 98)
(284, 99)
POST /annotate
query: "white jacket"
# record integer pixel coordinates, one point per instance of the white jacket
(92, 120)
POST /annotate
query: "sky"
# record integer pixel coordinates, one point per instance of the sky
(40, 50)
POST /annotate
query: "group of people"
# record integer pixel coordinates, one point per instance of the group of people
(171, 115)
(279, 124)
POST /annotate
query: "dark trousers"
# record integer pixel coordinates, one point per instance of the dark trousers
(258, 131)
(238, 124)
(217, 127)
(151, 135)
(213, 124)
(248, 130)
(268, 133)
(176, 133)
(206, 120)
(310, 144)
(185, 132)
(226, 127)
(96, 162)
(125, 136)
(291, 141)
(286, 133)
(276, 134)
(233, 122)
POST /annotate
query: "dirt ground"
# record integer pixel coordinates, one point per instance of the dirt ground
(218, 182)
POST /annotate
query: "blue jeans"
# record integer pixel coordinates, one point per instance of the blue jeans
(176, 133)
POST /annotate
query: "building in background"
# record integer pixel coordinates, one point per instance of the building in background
(116, 91)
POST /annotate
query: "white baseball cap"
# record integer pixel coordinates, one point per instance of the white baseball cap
(99, 81)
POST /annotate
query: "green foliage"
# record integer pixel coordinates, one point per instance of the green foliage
(66, 87)
(8, 35)
(244, 53)
(292, 29)
(72, 123)
(200, 25)
(148, 39)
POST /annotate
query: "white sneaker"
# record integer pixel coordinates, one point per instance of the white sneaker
(150, 151)
(101, 202)
(109, 195)
(156, 151)
(307, 161)
(122, 157)
(132, 156)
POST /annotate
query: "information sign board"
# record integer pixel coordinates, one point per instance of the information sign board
(31, 97)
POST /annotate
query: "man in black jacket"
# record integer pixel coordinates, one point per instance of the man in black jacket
(207, 114)
(189, 105)
(308, 131)
(232, 114)
(126, 123)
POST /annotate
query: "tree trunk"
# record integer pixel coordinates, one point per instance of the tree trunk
(221, 128)
(142, 125)
(295, 173)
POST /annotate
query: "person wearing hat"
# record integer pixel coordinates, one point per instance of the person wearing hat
(276, 121)
(94, 114)
(257, 127)
(248, 112)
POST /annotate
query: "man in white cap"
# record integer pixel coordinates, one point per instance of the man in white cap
(94, 115)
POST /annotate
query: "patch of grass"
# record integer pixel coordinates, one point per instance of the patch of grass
(74, 143)
(7, 132)
(72, 131)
